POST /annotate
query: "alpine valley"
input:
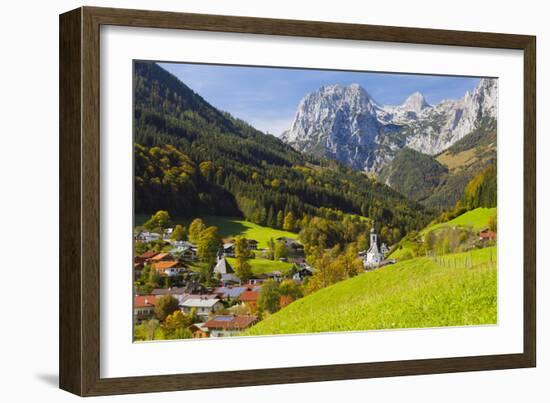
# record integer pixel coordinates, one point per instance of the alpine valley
(351, 221)
(427, 152)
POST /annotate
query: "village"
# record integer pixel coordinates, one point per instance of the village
(180, 293)
(230, 305)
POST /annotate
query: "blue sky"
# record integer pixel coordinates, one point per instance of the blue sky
(267, 98)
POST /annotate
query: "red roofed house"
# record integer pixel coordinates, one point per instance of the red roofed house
(487, 235)
(162, 257)
(229, 325)
(168, 267)
(144, 257)
(250, 298)
(144, 307)
(198, 331)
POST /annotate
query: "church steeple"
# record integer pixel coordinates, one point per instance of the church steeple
(373, 238)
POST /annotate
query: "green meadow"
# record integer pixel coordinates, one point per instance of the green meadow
(233, 226)
(476, 219)
(416, 293)
(261, 266)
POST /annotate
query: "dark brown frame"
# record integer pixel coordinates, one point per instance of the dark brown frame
(79, 200)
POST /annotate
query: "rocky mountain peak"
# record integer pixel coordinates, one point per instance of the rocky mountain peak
(345, 123)
(415, 102)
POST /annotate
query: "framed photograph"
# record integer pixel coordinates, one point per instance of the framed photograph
(249, 201)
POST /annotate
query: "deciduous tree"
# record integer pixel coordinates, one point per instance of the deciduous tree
(165, 306)
(195, 229)
(179, 233)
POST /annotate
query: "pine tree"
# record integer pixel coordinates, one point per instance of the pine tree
(280, 218)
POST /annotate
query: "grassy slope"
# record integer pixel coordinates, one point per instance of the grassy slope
(260, 266)
(232, 226)
(412, 294)
(477, 219)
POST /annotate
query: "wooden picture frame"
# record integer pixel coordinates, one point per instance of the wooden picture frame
(79, 346)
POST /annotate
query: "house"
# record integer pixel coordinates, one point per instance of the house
(290, 243)
(145, 257)
(487, 236)
(229, 292)
(225, 272)
(250, 298)
(184, 252)
(229, 249)
(229, 325)
(252, 244)
(162, 257)
(303, 272)
(373, 256)
(199, 331)
(203, 306)
(169, 268)
(146, 236)
(144, 308)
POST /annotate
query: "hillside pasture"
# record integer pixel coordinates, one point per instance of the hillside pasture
(230, 227)
(262, 266)
(476, 219)
(417, 293)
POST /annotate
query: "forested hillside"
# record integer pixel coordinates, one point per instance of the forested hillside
(439, 181)
(192, 159)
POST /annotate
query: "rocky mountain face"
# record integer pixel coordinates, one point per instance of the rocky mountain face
(345, 123)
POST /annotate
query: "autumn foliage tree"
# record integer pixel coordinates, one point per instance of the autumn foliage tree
(208, 245)
(269, 296)
(166, 305)
(179, 233)
(243, 254)
(159, 220)
(195, 229)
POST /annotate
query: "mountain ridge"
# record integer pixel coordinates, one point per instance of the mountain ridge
(345, 123)
(190, 158)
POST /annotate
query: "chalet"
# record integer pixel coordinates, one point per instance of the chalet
(145, 257)
(290, 243)
(203, 306)
(250, 298)
(229, 325)
(229, 249)
(144, 307)
(162, 257)
(303, 272)
(373, 256)
(184, 252)
(226, 273)
(487, 236)
(198, 331)
(169, 268)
